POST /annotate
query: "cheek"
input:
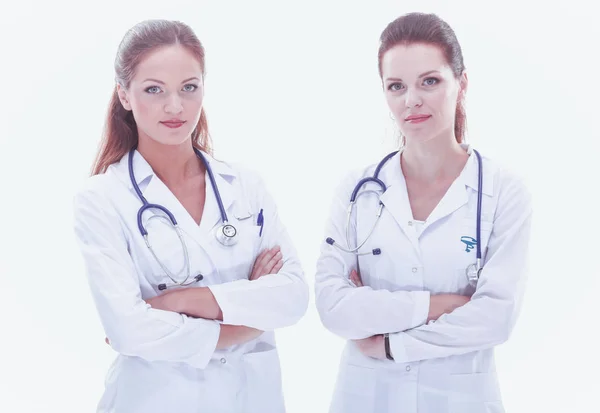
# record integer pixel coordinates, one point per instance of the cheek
(143, 109)
(395, 104)
(193, 103)
(444, 103)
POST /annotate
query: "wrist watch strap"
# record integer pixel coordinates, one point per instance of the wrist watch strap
(388, 353)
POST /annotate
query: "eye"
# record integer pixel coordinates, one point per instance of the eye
(394, 87)
(430, 81)
(152, 90)
(190, 88)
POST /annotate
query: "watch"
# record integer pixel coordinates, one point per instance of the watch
(386, 341)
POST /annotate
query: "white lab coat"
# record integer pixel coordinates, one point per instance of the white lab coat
(446, 366)
(167, 361)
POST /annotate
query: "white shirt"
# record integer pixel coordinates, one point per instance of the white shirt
(441, 366)
(167, 361)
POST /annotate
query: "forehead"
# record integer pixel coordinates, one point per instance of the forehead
(409, 61)
(169, 62)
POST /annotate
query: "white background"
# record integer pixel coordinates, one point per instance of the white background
(292, 90)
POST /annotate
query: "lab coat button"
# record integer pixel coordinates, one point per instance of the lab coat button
(407, 368)
(415, 269)
(409, 223)
(223, 360)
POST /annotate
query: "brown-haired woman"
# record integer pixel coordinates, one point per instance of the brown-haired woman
(189, 265)
(425, 288)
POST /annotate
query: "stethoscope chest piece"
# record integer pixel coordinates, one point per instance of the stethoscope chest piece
(226, 234)
(473, 273)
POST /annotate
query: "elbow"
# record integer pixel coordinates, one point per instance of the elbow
(127, 344)
(127, 338)
(334, 324)
(504, 329)
(498, 334)
(502, 324)
(288, 309)
(341, 327)
(337, 321)
(298, 302)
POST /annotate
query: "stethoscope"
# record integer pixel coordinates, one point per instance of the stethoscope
(226, 233)
(472, 271)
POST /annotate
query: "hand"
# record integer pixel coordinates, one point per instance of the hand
(372, 346)
(269, 261)
(445, 304)
(355, 278)
(231, 335)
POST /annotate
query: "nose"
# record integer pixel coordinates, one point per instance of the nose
(412, 99)
(173, 104)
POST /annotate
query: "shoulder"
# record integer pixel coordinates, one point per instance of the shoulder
(509, 182)
(238, 173)
(96, 189)
(353, 176)
(510, 188)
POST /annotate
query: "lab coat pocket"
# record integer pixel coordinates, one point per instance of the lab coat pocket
(468, 239)
(236, 261)
(263, 389)
(466, 253)
(355, 390)
(476, 407)
(475, 393)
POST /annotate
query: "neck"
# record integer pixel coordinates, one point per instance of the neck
(173, 164)
(433, 160)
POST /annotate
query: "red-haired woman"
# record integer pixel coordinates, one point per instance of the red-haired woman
(189, 265)
(424, 275)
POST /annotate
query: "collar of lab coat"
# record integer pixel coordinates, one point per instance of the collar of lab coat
(396, 201)
(157, 192)
(470, 174)
(142, 169)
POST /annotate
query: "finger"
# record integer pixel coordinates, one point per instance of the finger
(352, 279)
(357, 275)
(259, 257)
(258, 262)
(278, 267)
(261, 262)
(269, 266)
(355, 278)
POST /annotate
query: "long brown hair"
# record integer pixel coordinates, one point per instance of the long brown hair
(120, 130)
(430, 29)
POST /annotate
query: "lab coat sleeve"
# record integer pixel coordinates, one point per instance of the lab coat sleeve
(351, 312)
(274, 300)
(132, 326)
(488, 319)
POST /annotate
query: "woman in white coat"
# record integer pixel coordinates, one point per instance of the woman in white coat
(421, 334)
(193, 314)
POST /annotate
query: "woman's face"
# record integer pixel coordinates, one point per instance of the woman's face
(165, 95)
(421, 90)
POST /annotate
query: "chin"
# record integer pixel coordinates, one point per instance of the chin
(173, 139)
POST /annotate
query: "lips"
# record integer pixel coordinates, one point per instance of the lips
(173, 123)
(417, 117)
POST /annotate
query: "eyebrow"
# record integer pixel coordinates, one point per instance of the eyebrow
(421, 75)
(162, 83)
